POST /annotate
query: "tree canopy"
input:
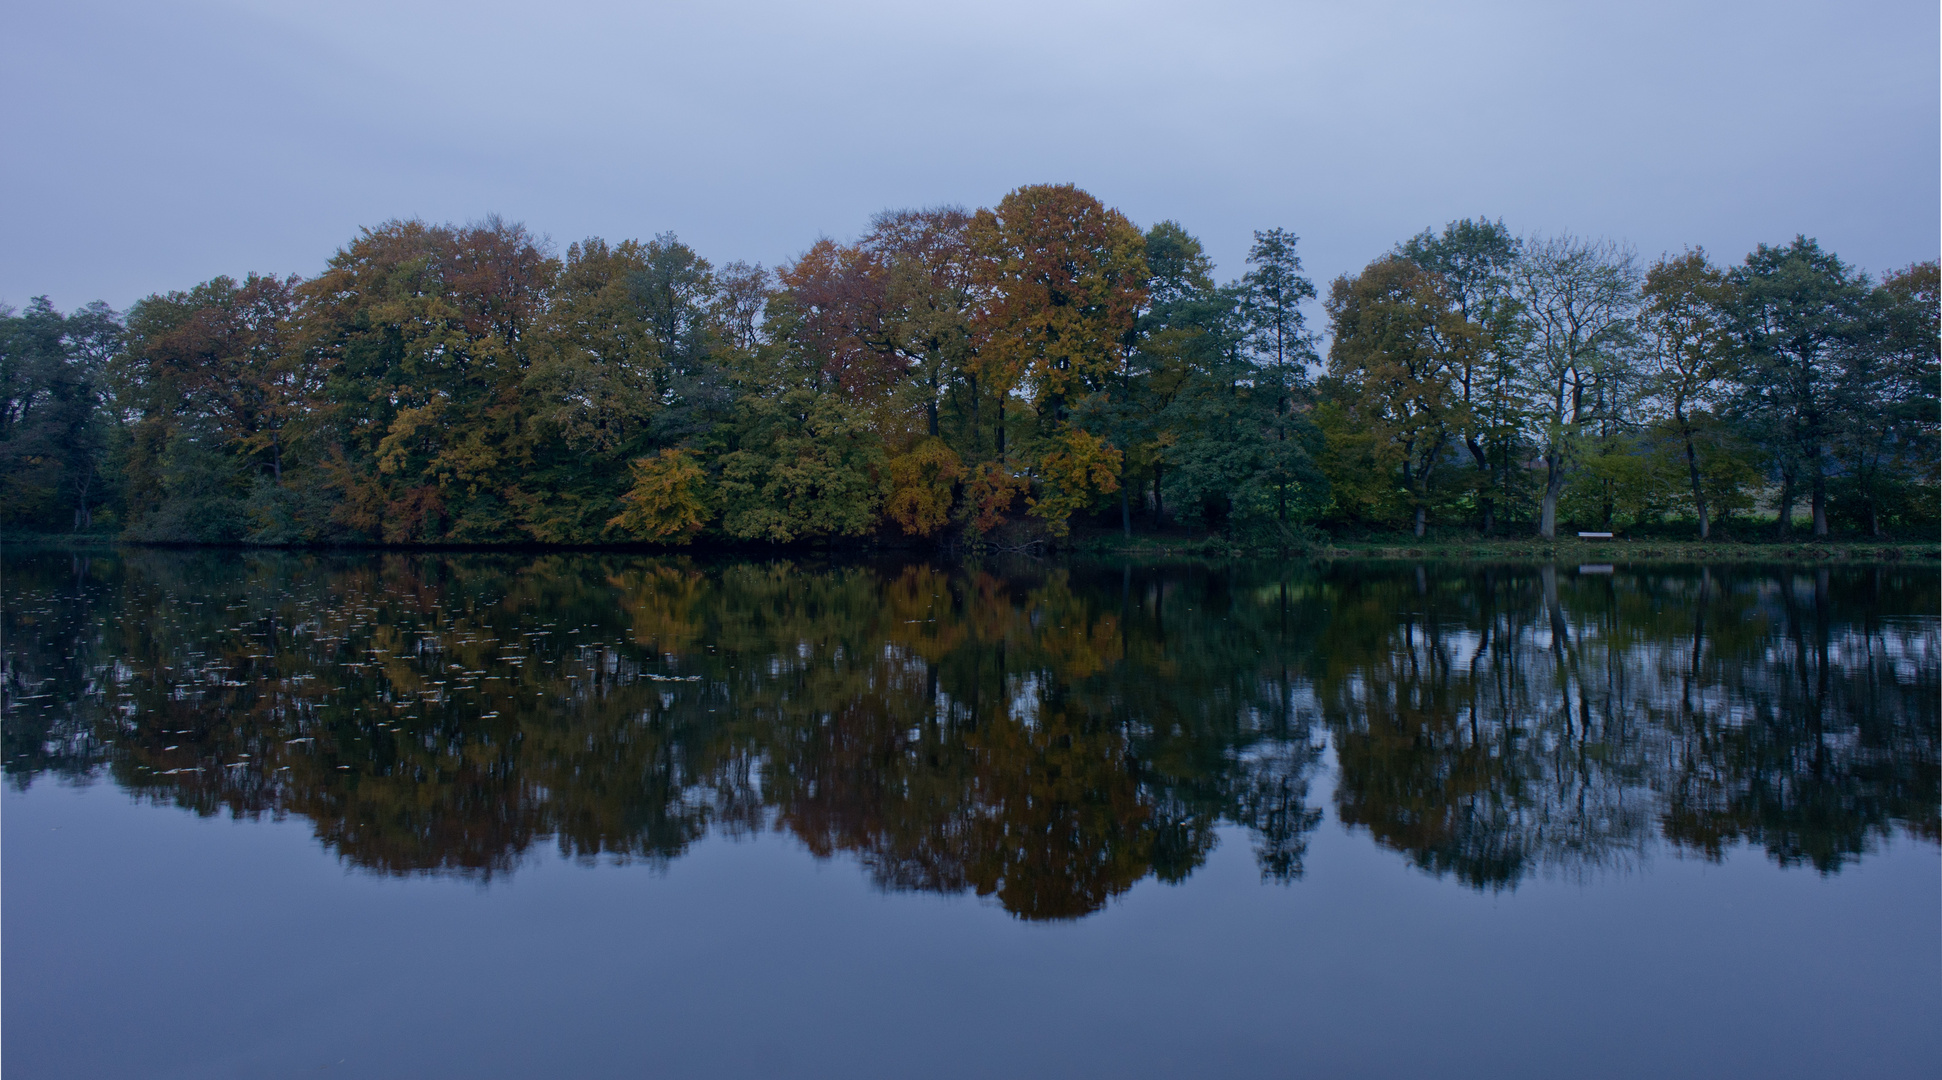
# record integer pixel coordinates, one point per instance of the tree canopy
(1002, 375)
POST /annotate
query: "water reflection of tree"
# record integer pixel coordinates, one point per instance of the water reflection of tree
(987, 733)
(1494, 723)
(1819, 743)
(1476, 732)
(1044, 737)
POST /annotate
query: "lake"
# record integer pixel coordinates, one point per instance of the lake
(601, 814)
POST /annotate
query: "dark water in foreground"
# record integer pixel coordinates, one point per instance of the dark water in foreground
(618, 816)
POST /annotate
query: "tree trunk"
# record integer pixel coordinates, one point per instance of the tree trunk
(1126, 509)
(1485, 504)
(1280, 435)
(1699, 493)
(1422, 515)
(1785, 523)
(83, 514)
(1159, 508)
(977, 402)
(1820, 504)
(1553, 486)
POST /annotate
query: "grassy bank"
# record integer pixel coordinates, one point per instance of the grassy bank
(1112, 544)
(1563, 549)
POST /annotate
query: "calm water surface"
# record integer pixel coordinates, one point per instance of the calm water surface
(605, 815)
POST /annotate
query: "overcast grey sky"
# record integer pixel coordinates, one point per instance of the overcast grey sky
(154, 144)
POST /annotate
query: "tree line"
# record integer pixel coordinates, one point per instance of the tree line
(954, 375)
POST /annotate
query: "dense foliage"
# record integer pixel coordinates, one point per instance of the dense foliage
(950, 375)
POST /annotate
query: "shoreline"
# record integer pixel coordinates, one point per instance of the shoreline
(1113, 546)
(1389, 549)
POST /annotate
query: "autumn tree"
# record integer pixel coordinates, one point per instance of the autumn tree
(222, 387)
(890, 316)
(1395, 365)
(667, 501)
(598, 388)
(1689, 356)
(1061, 278)
(836, 299)
(926, 264)
(430, 332)
(1475, 257)
(800, 458)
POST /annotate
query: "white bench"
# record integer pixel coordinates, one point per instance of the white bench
(1594, 536)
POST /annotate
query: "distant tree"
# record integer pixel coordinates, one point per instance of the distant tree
(949, 369)
(678, 295)
(668, 499)
(1222, 426)
(1277, 336)
(1184, 328)
(220, 390)
(1887, 408)
(52, 428)
(593, 393)
(1233, 459)
(1577, 303)
(429, 333)
(1799, 314)
(806, 465)
(890, 317)
(741, 294)
(1399, 351)
(923, 482)
(800, 458)
(925, 262)
(836, 300)
(1475, 257)
(1061, 279)
(1688, 355)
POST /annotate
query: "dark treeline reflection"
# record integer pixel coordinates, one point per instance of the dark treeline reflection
(1047, 736)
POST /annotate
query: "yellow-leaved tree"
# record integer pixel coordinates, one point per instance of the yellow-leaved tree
(668, 501)
(1078, 469)
(1062, 278)
(921, 482)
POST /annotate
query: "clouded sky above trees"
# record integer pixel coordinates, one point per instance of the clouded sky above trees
(150, 144)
